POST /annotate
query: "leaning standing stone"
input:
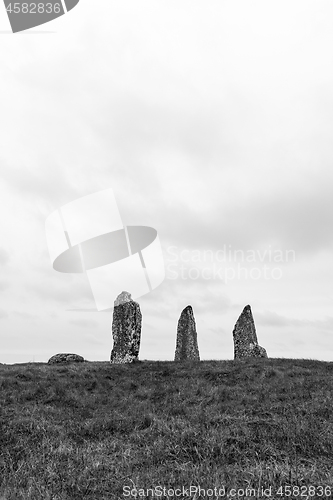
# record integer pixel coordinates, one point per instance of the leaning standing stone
(187, 343)
(126, 330)
(245, 337)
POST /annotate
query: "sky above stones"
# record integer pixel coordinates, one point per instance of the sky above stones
(212, 123)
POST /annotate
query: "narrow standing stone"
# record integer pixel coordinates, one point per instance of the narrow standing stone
(126, 329)
(187, 343)
(245, 337)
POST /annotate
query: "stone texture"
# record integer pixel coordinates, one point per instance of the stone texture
(65, 358)
(126, 330)
(187, 343)
(245, 337)
(122, 298)
(257, 351)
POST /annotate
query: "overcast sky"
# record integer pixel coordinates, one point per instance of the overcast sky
(212, 122)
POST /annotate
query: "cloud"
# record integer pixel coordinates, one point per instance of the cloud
(4, 257)
(24, 315)
(3, 286)
(285, 217)
(3, 314)
(85, 323)
(271, 318)
(64, 289)
(50, 187)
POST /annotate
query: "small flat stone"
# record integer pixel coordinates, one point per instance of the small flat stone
(65, 358)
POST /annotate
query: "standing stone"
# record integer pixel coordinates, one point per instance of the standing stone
(187, 343)
(126, 330)
(245, 337)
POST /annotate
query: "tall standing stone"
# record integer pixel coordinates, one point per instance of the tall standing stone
(245, 337)
(126, 329)
(187, 343)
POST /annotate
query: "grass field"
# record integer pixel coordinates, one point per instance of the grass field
(99, 431)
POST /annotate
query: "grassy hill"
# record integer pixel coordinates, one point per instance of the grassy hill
(96, 431)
